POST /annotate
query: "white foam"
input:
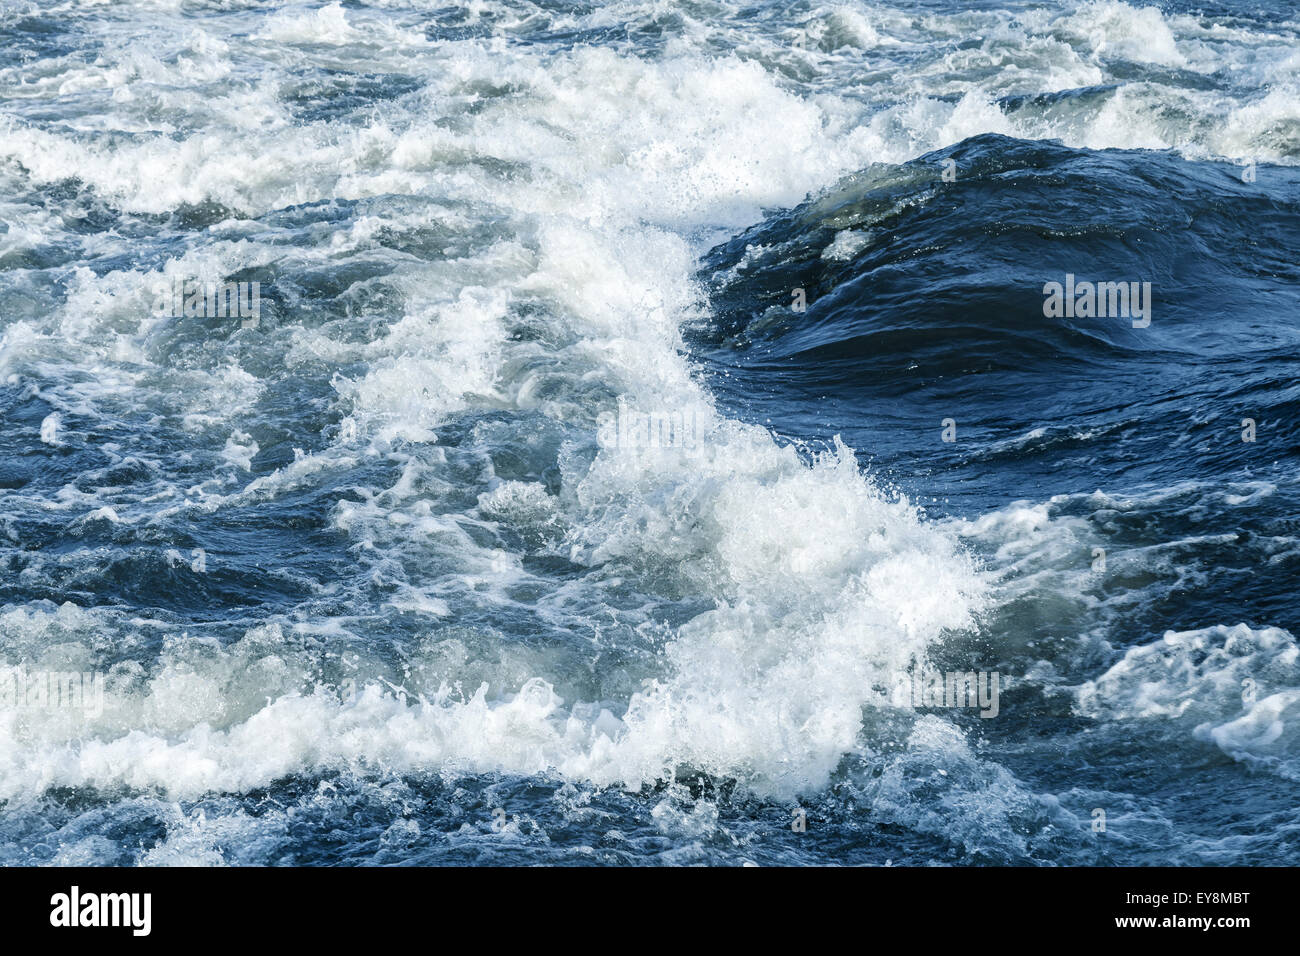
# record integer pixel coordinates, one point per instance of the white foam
(1116, 29)
(1238, 687)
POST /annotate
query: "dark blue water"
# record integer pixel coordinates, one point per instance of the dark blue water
(940, 315)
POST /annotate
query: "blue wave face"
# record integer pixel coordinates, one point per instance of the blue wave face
(531, 432)
(925, 302)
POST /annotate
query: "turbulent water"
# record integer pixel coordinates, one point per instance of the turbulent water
(383, 575)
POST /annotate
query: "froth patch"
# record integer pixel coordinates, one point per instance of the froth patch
(1116, 29)
(1238, 687)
